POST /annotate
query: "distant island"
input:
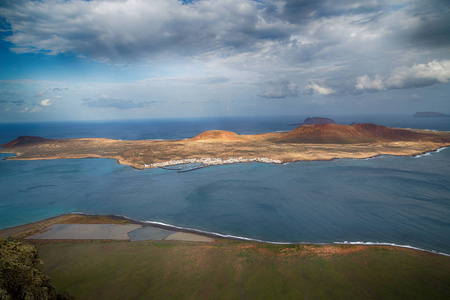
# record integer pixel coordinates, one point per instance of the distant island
(305, 143)
(429, 114)
(314, 121)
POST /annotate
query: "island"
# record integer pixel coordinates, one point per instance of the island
(429, 114)
(304, 143)
(314, 121)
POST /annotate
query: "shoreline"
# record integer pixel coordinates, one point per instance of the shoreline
(217, 161)
(29, 229)
(217, 147)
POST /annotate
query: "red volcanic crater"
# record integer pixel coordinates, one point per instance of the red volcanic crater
(356, 133)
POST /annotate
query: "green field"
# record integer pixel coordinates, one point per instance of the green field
(233, 270)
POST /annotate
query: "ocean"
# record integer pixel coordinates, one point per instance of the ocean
(386, 199)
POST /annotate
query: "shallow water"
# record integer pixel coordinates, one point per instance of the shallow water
(401, 200)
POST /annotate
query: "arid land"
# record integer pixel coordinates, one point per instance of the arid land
(305, 143)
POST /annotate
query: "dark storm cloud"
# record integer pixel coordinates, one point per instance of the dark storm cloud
(125, 30)
(108, 102)
(433, 26)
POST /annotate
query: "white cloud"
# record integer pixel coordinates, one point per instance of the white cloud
(45, 102)
(419, 75)
(320, 89)
(365, 83)
(30, 109)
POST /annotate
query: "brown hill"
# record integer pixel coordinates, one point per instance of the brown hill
(337, 134)
(222, 135)
(386, 133)
(24, 141)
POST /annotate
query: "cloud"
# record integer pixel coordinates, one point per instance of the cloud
(30, 110)
(246, 34)
(197, 50)
(428, 23)
(39, 94)
(320, 89)
(3, 101)
(18, 102)
(419, 75)
(214, 80)
(303, 11)
(112, 30)
(280, 87)
(107, 102)
(45, 103)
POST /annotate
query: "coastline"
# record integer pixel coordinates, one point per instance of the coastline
(24, 231)
(213, 161)
(216, 147)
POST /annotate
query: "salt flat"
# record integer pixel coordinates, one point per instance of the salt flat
(130, 232)
(86, 232)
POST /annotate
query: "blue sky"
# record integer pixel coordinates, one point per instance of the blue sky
(127, 59)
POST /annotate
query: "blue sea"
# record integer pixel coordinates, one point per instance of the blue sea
(386, 199)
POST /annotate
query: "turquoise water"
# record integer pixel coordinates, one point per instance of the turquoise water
(399, 200)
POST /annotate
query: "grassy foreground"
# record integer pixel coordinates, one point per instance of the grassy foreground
(230, 270)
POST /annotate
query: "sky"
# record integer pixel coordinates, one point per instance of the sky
(140, 59)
